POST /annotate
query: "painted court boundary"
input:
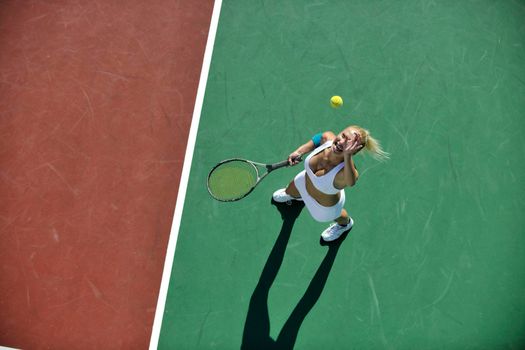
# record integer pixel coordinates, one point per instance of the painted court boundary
(188, 157)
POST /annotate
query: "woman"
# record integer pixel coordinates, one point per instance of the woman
(328, 170)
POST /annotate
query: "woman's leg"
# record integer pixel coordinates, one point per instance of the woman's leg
(292, 190)
(287, 194)
(344, 219)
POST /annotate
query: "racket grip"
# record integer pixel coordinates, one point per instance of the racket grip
(282, 164)
(279, 165)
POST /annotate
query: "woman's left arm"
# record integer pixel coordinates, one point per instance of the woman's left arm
(349, 171)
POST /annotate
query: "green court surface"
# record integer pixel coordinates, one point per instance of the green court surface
(435, 259)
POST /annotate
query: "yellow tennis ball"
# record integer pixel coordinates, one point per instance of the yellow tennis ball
(336, 101)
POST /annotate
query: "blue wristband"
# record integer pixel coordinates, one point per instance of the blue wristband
(317, 139)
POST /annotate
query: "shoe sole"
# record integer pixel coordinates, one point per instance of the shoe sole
(288, 200)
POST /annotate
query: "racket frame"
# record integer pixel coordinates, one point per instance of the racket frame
(269, 168)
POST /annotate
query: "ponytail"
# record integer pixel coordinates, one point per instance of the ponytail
(372, 145)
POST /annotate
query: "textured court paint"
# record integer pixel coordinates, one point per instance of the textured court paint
(96, 99)
(435, 258)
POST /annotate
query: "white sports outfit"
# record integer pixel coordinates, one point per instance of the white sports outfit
(325, 184)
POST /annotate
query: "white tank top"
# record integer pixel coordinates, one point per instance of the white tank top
(324, 183)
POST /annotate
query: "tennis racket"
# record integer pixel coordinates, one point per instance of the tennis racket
(234, 179)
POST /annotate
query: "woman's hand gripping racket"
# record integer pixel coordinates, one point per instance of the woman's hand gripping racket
(234, 179)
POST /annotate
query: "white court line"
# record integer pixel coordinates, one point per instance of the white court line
(6, 348)
(161, 303)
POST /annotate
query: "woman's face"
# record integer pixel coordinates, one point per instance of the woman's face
(343, 140)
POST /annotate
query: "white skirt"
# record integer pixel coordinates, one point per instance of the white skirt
(319, 212)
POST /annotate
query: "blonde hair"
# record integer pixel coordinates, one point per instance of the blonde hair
(372, 145)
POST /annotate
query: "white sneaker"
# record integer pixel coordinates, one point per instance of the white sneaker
(281, 196)
(335, 231)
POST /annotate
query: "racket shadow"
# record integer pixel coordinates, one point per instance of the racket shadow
(256, 333)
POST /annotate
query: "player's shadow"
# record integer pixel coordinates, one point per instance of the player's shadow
(256, 333)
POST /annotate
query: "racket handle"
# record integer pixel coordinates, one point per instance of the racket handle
(282, 164)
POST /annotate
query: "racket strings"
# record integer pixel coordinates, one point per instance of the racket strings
(232, 180)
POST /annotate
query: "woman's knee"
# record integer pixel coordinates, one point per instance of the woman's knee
(292, 190)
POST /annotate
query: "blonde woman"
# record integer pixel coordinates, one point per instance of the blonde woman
(328, 170)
